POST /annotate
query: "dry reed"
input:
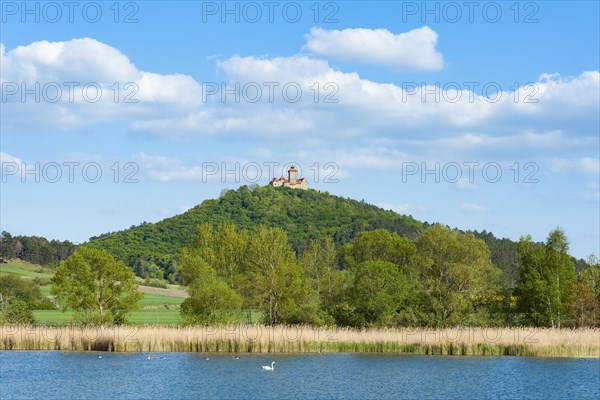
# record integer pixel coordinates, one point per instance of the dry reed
(304, 339)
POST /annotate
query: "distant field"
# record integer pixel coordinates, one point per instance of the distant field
(150, 300)
(155, 317)
(51, 317)
(25, 269)
(171, 291)
(142, 317)
(158, 306)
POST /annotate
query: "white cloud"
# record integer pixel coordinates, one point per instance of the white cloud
(171, 106)
(582, 165)
(7, 158)
(83, 81)
(473, 208)
(411, 50)
(11, 166)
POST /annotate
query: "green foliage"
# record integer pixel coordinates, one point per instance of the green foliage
(378, 245)
(379, 292)
(16, 311)
(304, 214)
(34, 249)
(211, 299)
(274, 280)
(324, 281)
(455, 269)
(546, 280)
(152, 249)
(100, 289)
(226, 268)
(586, 304)
(15, 287)
(157, 283)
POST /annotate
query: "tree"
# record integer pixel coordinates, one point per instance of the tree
(591, 275)
(380, 245)
(547, 276)
(210, 299)
(455, 269)
(273, 280)
(586, 306)
(379, 292)
(229, 246)
(318, 262)
(99, 288)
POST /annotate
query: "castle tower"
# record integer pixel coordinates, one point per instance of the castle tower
(292, 175)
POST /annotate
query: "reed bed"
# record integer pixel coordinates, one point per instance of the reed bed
(543, 342)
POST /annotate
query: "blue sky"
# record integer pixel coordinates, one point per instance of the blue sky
(481, 115)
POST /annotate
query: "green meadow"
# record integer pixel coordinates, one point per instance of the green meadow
(155, 309)
(25, 270)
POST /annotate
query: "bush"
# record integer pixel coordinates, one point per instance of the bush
(16, 312)
(157, 283)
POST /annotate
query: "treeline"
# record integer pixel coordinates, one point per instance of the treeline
(381, 279)
(34, 249)
(152, 249)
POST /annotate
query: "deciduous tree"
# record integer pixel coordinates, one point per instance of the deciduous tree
(545, 288)
(99, 288)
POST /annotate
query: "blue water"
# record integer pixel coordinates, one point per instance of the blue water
(73, 375)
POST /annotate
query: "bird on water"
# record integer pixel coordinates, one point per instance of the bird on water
(271, 368)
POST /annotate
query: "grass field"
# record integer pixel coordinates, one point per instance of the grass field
(25, 269)
(139, 318)
(158, 306)
(157, 300)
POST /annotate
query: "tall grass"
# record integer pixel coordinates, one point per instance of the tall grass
(304, 339)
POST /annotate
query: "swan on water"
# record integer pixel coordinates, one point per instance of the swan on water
(271, 368)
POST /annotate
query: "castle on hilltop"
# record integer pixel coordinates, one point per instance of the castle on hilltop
(292, 180)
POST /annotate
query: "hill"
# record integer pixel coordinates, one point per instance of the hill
(304, 214)
(152, 248)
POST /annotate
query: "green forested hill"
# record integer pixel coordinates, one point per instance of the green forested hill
(152, 248)
(305, 215)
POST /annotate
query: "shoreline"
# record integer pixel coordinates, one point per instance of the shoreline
(261, 339)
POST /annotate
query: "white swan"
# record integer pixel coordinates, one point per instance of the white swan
(271, 368)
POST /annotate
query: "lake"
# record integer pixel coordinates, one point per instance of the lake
(77, 375)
